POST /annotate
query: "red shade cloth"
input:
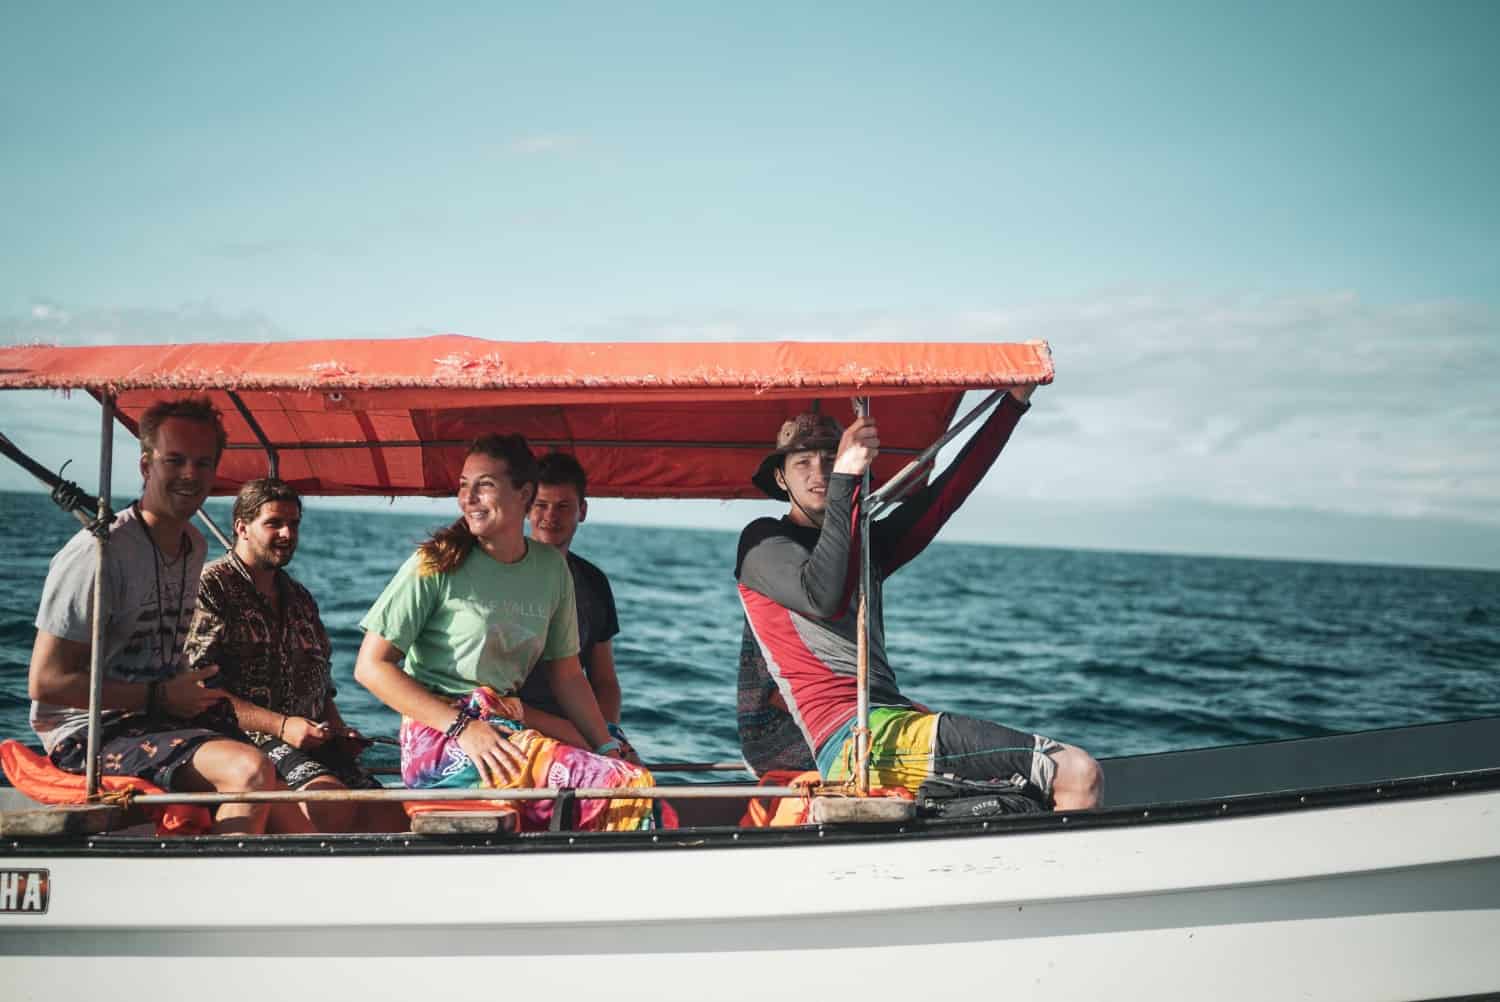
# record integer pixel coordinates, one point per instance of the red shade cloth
(647, 420)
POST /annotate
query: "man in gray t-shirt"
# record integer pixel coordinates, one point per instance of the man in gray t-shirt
(151, 726)
(148, 603)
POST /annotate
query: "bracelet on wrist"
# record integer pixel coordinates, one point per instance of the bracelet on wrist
(281, 733)
(153, 698)
(618, 733)
(459, 723)
(607, 747)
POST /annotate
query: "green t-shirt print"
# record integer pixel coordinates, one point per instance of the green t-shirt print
(484, 623)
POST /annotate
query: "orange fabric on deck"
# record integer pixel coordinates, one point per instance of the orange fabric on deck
(415, 807)
(647, 420)
(36, 776)
(780, 812)
(784, 812)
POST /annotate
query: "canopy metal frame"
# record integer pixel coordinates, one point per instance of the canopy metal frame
(873, 504)
(101, 547)
(551, 443)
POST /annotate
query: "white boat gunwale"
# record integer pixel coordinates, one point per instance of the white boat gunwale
(727, 836)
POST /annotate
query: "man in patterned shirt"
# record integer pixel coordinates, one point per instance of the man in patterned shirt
(261, 629)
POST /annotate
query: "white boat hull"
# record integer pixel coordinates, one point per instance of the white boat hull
(1384, 900)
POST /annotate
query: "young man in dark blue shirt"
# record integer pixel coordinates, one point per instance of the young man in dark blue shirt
(561, 504)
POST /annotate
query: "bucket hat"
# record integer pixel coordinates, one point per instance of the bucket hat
(808, 431)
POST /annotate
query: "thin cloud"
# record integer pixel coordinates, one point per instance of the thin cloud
(43, 312)
(1322, 402)
(54, 427)
(253, 250)
(544, 144)
(49, 323)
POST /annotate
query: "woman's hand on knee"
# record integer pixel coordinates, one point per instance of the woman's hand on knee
(499, 762)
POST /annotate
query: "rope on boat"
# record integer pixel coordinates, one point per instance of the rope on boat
(64, 493)
(121, 797)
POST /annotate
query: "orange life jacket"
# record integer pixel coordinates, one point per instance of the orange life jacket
(36, 776)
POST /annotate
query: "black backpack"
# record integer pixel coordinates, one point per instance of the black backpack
(949, 797)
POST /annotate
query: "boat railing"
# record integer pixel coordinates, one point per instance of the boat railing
(391, 770)
(672, 792)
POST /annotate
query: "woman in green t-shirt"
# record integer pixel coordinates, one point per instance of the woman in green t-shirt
(453, 636)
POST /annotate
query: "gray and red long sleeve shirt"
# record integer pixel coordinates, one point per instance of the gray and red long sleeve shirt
(799, 586)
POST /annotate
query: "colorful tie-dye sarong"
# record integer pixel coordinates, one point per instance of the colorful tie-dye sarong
(430, 760)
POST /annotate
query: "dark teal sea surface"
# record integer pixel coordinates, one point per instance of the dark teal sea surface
(1118, 652)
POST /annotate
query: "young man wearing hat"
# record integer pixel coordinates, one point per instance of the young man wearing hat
(799, 584)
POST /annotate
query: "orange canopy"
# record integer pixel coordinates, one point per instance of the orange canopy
(394, 417)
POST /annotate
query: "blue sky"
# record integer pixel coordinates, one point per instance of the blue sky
(1264, 241)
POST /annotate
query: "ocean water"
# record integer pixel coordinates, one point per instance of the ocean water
(1120, 653)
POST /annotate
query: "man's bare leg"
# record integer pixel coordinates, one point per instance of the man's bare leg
(328, 816)
(1079, 782)
(351, 817)
(225, 766)
(388, 816)
(289, 818)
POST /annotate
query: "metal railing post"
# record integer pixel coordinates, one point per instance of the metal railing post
(862, 682)
(101, 544)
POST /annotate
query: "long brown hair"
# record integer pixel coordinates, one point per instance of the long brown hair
(451, 545)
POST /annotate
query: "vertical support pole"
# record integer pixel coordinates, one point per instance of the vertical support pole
(862, 681)
(101, 542)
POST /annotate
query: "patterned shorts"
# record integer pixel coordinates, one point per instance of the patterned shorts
(149, 748)
(297, 768)
(907, 746)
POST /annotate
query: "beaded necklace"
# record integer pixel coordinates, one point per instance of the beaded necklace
(165, 656)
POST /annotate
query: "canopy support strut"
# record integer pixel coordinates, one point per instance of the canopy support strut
(101, 543)
(872, 504)
(273, 458)
(218, 533)
(905, 481)
(551, 443)
(862, 682)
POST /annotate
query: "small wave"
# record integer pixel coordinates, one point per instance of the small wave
(16, 633)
